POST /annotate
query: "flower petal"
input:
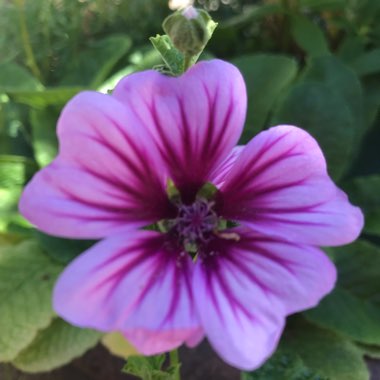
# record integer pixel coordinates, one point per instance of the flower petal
(151, 342)
(279, 186)
(245, 289)
(196, 338)
(108, 173)
(218, 176)
(136, 283)
(196, 119)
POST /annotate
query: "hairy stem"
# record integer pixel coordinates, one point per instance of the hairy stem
(187, 62)
(174, 361)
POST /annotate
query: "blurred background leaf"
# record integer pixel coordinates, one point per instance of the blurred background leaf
(266, 77)
(326, 117)
(356, 297)
(308, 36)
(27, 276)
(308, 352)
(55, 346)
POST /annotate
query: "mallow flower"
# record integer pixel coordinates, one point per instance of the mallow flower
(239, 226)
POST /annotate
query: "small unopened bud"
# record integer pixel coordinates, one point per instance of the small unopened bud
(189, 30)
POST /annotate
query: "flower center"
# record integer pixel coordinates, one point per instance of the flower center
(195, 223)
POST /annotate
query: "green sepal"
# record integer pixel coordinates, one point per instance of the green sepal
(150, 368)
(173, 58)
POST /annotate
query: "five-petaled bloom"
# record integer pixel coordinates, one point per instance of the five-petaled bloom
(230, 265)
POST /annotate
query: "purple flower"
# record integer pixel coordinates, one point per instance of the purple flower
(231, 266)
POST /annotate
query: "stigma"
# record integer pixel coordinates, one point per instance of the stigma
(195, 224)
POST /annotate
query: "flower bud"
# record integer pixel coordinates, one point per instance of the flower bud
(189, 30)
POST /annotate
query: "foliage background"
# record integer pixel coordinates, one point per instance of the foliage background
(312, 63)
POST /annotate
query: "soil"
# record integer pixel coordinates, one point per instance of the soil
(200, 363)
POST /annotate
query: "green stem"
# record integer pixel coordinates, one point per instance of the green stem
(187, 62)
(30, 60)
(174, 361)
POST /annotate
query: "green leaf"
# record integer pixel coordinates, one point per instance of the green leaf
(26, 281)
(94, 64)
(108, 86)
(266, 76)
(356, 297)
(367, 63)
(14, 135)
(364, 192)
(283, 366)
(308, 36)
(150, 368)
(172, 57)
(324, 352)
(342, 80)
(55, 96)
(55, 346)
(60, 249)
(319, 5)
(45, 142)
(252, 13)
(325, 114)
(14, 78)
(13, 173)
(359, 267)
(12, 177)
(370, 351)
(361, 321)
(368, 163)
(351, 48)
(371, 97)
(25, 89)
(367, 10)
(9, 239)
(368, 160)
(142, 59)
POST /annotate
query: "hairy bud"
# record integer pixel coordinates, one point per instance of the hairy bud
(189, 30)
